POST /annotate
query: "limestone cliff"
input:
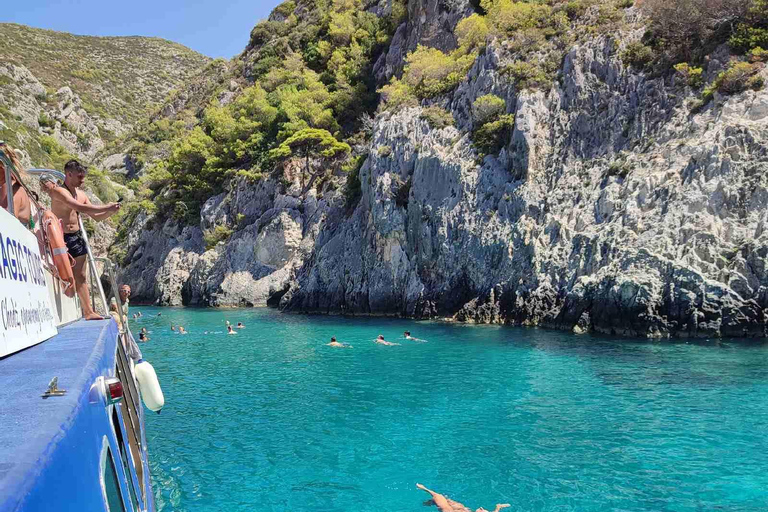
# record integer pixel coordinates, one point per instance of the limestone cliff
(616, 204)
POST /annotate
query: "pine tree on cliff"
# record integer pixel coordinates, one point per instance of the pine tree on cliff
(313, 145)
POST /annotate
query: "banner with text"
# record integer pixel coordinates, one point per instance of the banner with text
(26, 315)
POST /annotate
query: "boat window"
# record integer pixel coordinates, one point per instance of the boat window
(112, 486)
(125, 457)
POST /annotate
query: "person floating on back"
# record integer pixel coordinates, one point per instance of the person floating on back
(67, 203)
(230, 330)
(380, 340)
(336, 344)
(448, 505)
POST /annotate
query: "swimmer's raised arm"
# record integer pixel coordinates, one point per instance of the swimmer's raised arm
(440, 500)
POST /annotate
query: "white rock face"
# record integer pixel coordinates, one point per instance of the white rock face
(612, 207)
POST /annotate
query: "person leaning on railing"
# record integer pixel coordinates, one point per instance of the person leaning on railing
(22, 206)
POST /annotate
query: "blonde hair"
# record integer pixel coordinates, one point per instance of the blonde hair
(14, 158)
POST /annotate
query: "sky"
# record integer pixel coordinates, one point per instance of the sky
(213, 28)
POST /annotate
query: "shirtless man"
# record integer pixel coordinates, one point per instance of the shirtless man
(67, 202)
(448, 505)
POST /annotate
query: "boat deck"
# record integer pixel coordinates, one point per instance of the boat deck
(32, 427)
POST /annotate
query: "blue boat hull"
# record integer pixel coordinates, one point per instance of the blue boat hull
(73, 452)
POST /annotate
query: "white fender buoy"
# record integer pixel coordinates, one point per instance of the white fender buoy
(149, 386)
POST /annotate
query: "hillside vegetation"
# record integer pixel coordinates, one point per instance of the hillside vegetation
(122, 78)
(64, 96)
(306, 87)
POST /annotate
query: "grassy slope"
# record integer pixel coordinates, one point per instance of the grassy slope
(117, 77)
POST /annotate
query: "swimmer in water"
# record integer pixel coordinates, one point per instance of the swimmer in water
(407, 335)
(173, 328)
(181, 330)
(230, 330)
(143, 336)
(240, 325)
(380, 340)
(336, 344)
(448, 505)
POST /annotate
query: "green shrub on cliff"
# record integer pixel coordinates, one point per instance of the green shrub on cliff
(487, 108)
(397, 95)
(312, 146)
(472, 33)
(740, 76)
(526, 75)
(752, 32)
(311, 84)
(758, 55)
(437, 117)
(492, 128)
(638, 55)
(692, 76)
(218, 234)
(430, 72)
(490, 137)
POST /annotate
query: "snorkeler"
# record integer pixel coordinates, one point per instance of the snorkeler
(336, 344)
(230, 330)
(380, 340)
(448, 505)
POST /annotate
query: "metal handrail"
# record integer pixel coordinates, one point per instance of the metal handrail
(95, 281)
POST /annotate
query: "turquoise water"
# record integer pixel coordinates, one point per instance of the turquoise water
(274, 420)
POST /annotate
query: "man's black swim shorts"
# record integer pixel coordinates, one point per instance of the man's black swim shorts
(75, 244)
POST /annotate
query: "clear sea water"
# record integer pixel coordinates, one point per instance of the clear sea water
(274, 420)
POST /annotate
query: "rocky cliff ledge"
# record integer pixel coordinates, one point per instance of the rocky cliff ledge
(613, 206)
